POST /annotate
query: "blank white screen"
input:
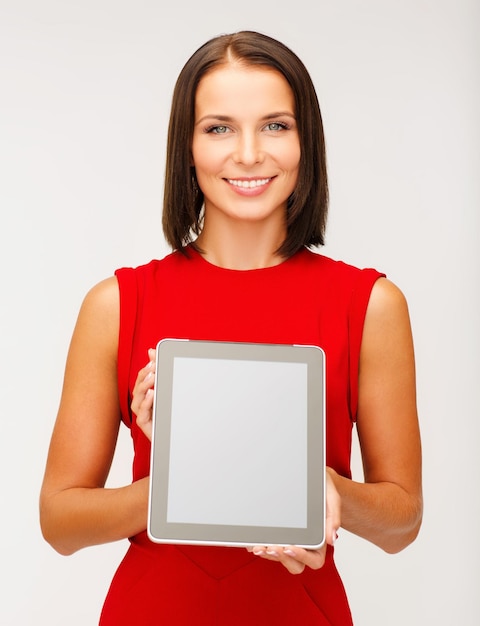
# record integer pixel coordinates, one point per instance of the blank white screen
(238, 452)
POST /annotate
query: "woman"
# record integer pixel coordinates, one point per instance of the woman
(245, 197)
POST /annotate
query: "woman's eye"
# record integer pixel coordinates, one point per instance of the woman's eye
(276, 126)
(217, 130)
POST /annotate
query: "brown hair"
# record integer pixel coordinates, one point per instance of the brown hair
(183, 200)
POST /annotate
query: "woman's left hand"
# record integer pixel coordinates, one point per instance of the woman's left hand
(295, 559)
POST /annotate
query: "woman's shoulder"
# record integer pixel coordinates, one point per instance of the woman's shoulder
(170, 260)
(387, 300)
(337, 268)
(100, 305)
(103, 294)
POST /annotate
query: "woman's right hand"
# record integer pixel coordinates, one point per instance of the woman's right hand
(142, 401)
(296, 559)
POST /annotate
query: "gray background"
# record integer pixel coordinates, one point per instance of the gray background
(85, 94)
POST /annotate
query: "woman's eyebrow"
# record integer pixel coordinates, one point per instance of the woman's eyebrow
(213, 116)
(279, 114)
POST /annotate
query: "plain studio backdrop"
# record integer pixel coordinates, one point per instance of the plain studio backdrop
(85, 97)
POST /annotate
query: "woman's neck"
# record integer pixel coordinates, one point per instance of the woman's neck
(242, 245)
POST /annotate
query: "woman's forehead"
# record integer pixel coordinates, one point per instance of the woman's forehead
(236, 86)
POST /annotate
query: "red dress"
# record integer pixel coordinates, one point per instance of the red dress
(307, 299)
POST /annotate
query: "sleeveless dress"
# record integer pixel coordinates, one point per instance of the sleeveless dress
(307, 299)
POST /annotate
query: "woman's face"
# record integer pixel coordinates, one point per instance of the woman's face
(245, 148)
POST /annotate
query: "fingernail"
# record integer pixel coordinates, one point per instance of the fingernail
(289, 552)
(258, 552)
(272, 552)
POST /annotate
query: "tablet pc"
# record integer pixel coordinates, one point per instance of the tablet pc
(238, 444)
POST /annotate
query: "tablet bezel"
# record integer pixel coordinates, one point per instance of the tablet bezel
(158, 528)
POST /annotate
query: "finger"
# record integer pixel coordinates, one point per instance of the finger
(314, 559)
(144, 415)
(144, 378)
(333, 510)
(291, 563)
(145, 381)
(149, 367)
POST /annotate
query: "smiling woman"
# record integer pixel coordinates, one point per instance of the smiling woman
(245, 198)
(246, 162)
(183, 210)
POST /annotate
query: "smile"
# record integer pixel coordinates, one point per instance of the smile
(249, 184)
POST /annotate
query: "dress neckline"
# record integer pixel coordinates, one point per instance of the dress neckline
(194, 253)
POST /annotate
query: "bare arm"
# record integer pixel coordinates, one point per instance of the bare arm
(387, 508)
(75, 508)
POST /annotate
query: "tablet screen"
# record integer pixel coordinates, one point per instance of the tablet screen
(242, 425)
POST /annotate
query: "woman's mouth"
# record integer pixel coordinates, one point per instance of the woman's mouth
(249, 185)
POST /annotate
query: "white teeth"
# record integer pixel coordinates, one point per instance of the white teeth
(249, 184)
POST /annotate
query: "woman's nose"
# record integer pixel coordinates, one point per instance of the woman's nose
(248, 149)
